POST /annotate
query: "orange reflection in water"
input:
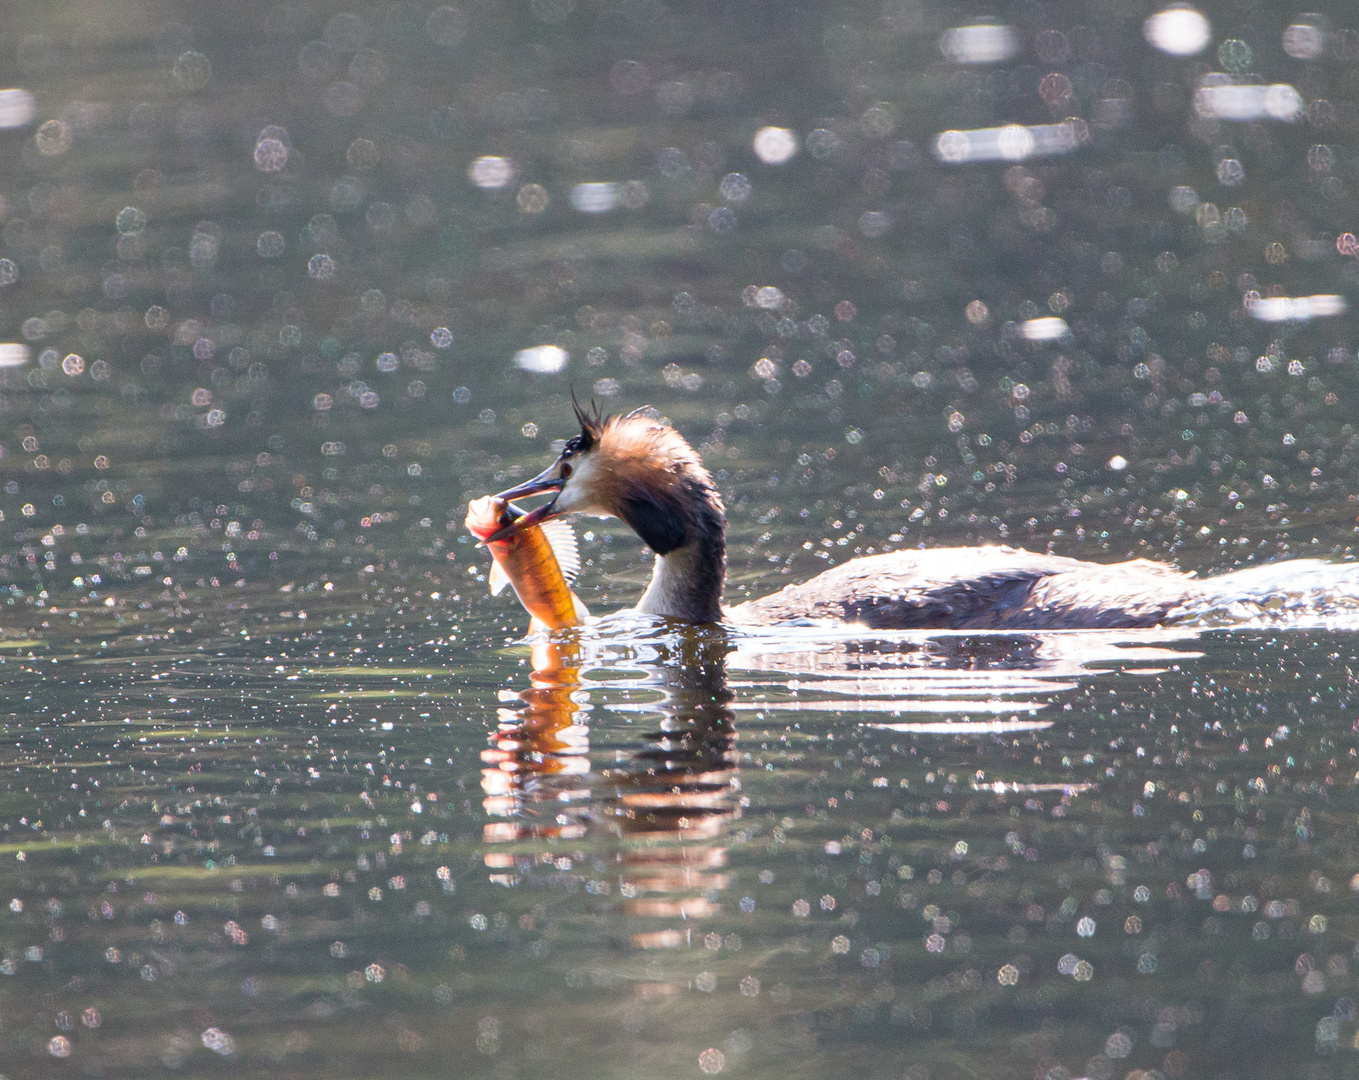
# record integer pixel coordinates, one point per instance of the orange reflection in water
(669, 805)
(538, 764)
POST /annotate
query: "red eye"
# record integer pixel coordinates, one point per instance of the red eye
(566, 471)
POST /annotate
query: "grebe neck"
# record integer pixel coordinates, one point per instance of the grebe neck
(686, 582)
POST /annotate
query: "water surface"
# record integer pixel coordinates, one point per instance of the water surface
(283, 286)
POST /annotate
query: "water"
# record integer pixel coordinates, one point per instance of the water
(346, 852)
(285, 285)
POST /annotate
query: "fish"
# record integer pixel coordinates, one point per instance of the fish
(539, 563)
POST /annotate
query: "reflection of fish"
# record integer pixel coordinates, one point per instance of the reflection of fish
(539, 562)
(537, 779)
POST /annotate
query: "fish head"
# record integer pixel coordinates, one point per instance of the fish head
(487, 515)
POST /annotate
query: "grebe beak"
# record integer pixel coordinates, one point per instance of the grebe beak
(548, 480)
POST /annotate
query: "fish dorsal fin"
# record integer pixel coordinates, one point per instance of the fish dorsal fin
(498, 579)
(562, 539)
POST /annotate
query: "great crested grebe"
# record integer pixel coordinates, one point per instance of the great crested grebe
(635, 468)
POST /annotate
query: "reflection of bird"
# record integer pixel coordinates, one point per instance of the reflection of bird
(946, 683)
(638, 469)
(678, 796)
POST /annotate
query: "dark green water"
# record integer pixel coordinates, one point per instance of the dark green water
(284, 795)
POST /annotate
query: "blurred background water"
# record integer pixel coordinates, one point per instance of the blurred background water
(282, 286)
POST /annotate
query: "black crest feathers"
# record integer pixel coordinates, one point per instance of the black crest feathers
(591, 423)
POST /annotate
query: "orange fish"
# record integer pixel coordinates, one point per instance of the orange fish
(539, 563)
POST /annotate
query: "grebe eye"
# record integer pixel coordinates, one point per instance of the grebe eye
(566, 471)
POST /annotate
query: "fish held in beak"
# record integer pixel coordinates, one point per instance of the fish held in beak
(549, 479)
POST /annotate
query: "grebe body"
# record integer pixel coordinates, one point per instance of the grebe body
(643, 472)
(979, 588)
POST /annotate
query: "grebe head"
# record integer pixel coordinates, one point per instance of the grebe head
(635, 468)
(631, 467)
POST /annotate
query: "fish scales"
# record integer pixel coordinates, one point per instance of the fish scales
(536, 563)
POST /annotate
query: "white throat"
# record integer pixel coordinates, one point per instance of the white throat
(670, 592)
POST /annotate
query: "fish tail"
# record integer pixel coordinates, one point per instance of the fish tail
(536, 625)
